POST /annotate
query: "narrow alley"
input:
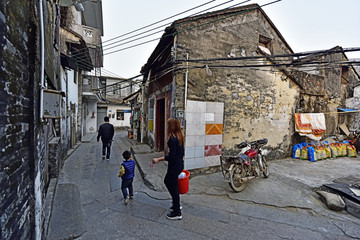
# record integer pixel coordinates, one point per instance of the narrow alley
(225, 73)
(88, 204)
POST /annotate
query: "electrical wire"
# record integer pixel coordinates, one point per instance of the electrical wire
(174, 26)
(259, 63)
(152, 24)
(124, 80)
(136, 45)
(169, 24)
(323, 65)
(162, 21)
(172, 34)
(258, 60)
(300, 54)
(267, 57)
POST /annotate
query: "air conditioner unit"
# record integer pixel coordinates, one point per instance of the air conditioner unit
(95, 83)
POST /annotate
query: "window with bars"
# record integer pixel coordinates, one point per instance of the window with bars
(120, 115)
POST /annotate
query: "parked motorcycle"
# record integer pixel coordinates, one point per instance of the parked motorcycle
(248, 164)
(355, 140)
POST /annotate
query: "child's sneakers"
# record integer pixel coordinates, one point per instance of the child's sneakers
(126, 200)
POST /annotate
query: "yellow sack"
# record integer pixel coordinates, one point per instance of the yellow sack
(122, 171)
(328, 151)
(343, 150)
(318, 155)
(323, 152)
(304, 153)
(351, 151)
(334, 151)
(298, 153)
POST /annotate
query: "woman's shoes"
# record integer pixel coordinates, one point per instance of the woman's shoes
(174, 216)
(172, 208)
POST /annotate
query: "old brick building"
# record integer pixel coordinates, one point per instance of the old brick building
(326, 86)
(23, 158)
(214, 72)
(40, 72)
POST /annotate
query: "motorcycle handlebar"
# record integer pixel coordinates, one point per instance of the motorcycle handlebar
(253, 143)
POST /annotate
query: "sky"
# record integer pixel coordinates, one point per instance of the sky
(306, 25)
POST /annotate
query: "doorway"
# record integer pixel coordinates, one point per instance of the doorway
(160, 124)
(101, 113)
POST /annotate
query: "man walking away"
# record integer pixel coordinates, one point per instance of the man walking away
(106, 132)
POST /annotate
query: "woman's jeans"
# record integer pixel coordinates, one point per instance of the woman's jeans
(171, 183)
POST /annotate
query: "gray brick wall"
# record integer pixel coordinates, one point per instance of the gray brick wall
(23, 138)
(16, 180)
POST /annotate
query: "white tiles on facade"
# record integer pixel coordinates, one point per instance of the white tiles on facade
(190, 118)
(219, 107)
(200, 141)
(210, 107)
(209, 118)
(197, 115)
(195, 129)
(190, 141)
(200, 129)
(190, 152)
(200, 118)
(194, 163)
(199, 152)
(191, 106)
(199, 162)
(190, 129)
(201, 107)
(188, 164)
(213, 140)
(212, 161)
(219, 118)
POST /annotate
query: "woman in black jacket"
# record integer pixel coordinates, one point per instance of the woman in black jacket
(175, 165)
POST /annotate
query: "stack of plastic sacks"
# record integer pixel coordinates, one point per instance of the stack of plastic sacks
(322, 150)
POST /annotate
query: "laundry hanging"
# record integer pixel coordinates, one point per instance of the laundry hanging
(311, 125)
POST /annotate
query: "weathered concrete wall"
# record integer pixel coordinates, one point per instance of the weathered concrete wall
(259, 102)
(354, 103)
(329, 94)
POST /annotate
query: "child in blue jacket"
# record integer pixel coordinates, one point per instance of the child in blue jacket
(127, 174)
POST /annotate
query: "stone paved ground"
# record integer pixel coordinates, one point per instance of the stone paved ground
(88, 203)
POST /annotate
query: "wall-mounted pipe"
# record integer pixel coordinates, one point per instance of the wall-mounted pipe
(37, 181)
(42, 60)
(186, 79)
(142, 126)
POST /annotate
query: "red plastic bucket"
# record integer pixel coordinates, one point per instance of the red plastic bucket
(183, 183)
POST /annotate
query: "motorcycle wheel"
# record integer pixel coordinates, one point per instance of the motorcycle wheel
(266, 171)
(236, 173)
(256, 168)
(222, 163)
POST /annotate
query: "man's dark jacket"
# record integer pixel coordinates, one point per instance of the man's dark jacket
(106, 132)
